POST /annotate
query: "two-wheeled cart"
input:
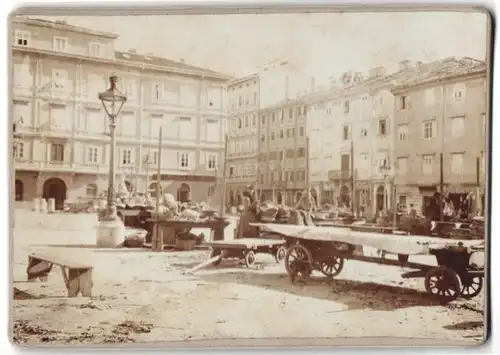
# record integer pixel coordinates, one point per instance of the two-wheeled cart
(325, 249)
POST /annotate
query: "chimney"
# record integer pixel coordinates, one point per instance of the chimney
(132, 50)
(313, 84)
(287, 87)
(377, 72)
(404, 64)
(182, 60)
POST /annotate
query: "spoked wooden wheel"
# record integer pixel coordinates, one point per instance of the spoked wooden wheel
(471, 286)
(214, 253)
(250, 259)
(444, 283)
(332, 266)
(298, 261)
(280, 254)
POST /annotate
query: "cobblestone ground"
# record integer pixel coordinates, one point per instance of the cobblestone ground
(142, 296)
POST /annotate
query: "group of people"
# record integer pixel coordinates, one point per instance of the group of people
(451, 210)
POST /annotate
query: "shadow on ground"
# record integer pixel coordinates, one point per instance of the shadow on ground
(353, 294)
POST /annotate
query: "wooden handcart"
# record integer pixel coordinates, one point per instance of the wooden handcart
(326, 249)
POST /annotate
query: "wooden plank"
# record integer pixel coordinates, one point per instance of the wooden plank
(206, 263)
(38, 269)
(392, 262)
(86, 282)
(73, 284)
(57, 260)
(245, 243)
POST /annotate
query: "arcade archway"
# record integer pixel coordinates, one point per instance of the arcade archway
(55, 188)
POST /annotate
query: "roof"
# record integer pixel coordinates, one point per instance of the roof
(447, 68)
(62, 25)
(163, 62)
(283, 104)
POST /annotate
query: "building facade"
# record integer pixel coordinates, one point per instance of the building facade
(58, 71)
(351, 127)
(441, 112)
(249, 98)
(283, 152)
(243, 107)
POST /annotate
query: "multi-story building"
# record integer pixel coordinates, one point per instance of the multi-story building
(283, 151)
(276, 82)
(243, 106)
(441, 129)
(350, 127)
(58, 71)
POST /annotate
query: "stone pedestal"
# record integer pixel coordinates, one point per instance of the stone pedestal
(36, 204)
(51, 207)
(43, 205)
(110, 234)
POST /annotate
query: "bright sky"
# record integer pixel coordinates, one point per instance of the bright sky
(320, 44)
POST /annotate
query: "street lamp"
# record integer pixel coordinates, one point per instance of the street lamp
(113, 101)
(384, 170)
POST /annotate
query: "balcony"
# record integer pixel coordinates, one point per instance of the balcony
(334, 175)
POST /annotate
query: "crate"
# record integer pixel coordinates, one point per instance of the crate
(185, 244)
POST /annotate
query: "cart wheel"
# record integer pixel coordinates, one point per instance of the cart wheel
(250, 259)
(280, 254)
(214, 253)
(298, 260)
(332, 266)
(471, 286)
(443, 283)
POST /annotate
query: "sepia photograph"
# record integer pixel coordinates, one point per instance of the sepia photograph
(249, 177)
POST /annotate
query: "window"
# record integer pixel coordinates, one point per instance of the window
(60, 44)
(91, 190)
(127, 86)
(364, 132)
(263, 137)
(20, 150)
(459, 92)
(254, 98)
(329, 111)
(157, 92)
(457, 164)
(429, 98)
(213, 130)
(345, 133)
(301, 152)
(429, 129)
(272, 136)
(273, 117)
(402, 201)
(382, 127)
(402, 166)
(57, 152)
(254, 120)
(290, 112)
(184, 160)
(304, 109)
(346, 106)
(240, 123)
(58, 78)
(457, 127)
(154, 158)
(212, 161)
(93, 155)
(403, 132)
(246, 121)
(282, 155)
(403, 102)
(263, 119)
(94, 49)
(126, 157)
(427, 164)
(282, 135)
(186, 129)
(240, 101)
(22, 38)
(301, 131)
(281, 115)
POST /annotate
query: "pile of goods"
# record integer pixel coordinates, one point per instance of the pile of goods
(170, 209)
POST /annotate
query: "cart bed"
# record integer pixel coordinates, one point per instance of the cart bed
(244, 243)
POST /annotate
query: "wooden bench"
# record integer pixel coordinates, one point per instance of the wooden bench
(77, 279)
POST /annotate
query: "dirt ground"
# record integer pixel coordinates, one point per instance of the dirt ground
(141, 296)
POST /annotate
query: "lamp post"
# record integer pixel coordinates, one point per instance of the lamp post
(384, 170)
(113, 101)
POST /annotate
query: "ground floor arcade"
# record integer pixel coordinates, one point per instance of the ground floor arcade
(71, 186)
